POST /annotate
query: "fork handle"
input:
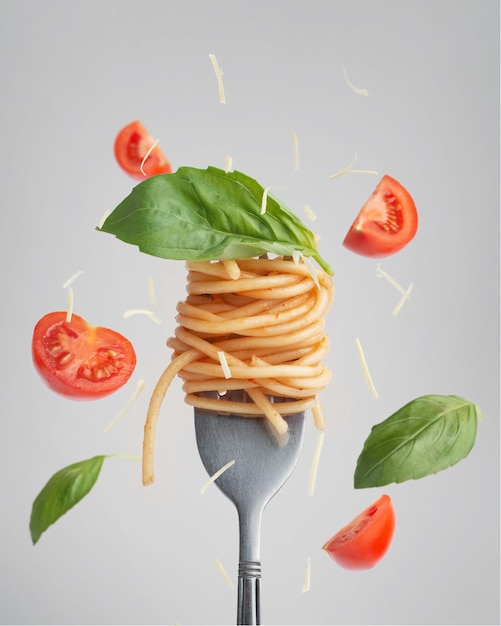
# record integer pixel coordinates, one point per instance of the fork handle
(249, 592)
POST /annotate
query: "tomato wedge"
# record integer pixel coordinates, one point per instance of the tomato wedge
(365, 540)
(80, 361)
(386, 223)
(132, 145)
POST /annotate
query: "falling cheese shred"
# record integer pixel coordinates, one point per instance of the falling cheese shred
(223, 573)
(357, 90)
(216, 475)
(406, 293)
(314, 464)
(219, 77)
(103, 218)
(229, 164)
(145, 158)
(365, 369)
(151, 314)
(72, 279)
(405, 296)
(224, 364)
(139, 388)
(307, 576)
(151, 291)
(295, 144)
(264, 200)
(310, 213)
(69, 310)
(349, 170)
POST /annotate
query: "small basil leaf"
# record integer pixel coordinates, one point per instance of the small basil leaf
(63, 490)
(427, 435)
(201, 215)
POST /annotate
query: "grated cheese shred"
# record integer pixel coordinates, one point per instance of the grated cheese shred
(314, 464)
(223, 573)
(103, 218)
(145, 158)
(365, 369)
(349, 169)
(216, 475)
(69, 311)
(151, 314)
(310, 213)
(405, 296)
(307, 576)
(229, 164)
(406, 293)
(224, 364)
(72, 279)
(219, 77)
(357, 90)
(139, 388)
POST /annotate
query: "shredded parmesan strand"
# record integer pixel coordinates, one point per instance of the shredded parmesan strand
(311, 269)
(365, 369)
(224, 364)
(390, 279)
(71, 279)
(216, 475)
(314, 464)
(151, 314)
(351, 171)
(310, 213)
(264, 200)
(296, 150)
(219, 77)
(229, 164)
(139, 388)
(150, 150)
(406, 295)
(307, 576)
(103, 218)
(345, 169)
(360, 92)
(223, 573)
(151, 291)
(69, 311)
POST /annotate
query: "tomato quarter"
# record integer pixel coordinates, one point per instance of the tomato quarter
(78, 360)
(131, 147)
(386, 223)
(365, 540)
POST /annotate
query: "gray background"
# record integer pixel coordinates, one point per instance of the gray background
(73, 73)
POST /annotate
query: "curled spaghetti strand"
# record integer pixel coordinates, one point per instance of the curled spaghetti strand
(266, 316)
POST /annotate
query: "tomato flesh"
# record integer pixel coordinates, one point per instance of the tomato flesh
(386, 223)
(132, 144)
(366, 539)
(80, 361)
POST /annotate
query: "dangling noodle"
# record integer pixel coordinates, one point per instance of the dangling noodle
(266, 317)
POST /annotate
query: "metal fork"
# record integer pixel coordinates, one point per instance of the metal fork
(263, 463)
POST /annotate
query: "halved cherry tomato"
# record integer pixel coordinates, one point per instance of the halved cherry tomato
(81, 361)
(365, 540)
(131, 146)
(386, 223)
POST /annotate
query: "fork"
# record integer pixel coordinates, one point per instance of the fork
(263, 463)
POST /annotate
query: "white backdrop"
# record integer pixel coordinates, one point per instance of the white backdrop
(72, 74)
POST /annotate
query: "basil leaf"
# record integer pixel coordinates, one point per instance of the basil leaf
(427, 435)
(202, 215)
(63, 490)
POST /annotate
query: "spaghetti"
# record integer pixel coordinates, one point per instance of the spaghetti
(266, 317)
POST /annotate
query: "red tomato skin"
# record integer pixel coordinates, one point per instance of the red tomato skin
(131, 146)
(86, 348)
(365, 540)
(386, 223)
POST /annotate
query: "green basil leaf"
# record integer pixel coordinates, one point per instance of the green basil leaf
(427, 435)
(202, 215)
(63, 490)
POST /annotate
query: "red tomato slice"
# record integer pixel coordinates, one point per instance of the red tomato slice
(80, 361)
(365, 540)
(386, 223)
(131, 146)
